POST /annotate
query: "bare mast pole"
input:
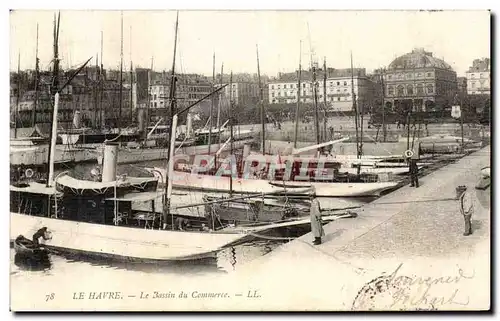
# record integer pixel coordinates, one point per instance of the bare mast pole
(16, 111)
(298, 98)
(37, 75)
(262, 116)
(211, 108)
(384, 127)
(231, 135)
(53, 90)
(324, 101)
(121, 76)
(355, 108)
(166, 203)
(131, 81)
(102, 116)
(220, 102)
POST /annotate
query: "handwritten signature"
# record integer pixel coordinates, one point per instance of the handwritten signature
(415, 292)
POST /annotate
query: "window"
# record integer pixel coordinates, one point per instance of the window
(279, 86)
(338, 98)
(345, 83)
(274, 101)
(304, 93)
(389, 76)
(429, 74)
(338, 90)
(338, 83)
(284, 86)
(430, 88)
(272, 94)
(472, 75)
(473, 85)
(279, 94)
(156, 104)
(272, 86)
(409, 90)
(331, 83)
(155, 97)
(420, 89)
(303, 85)
(390, 90)
(284, 93)
(291, 86)
(400, 90)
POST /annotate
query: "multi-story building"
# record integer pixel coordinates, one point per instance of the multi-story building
(462, 85)
(242, 92)
(339, 89)
(98, 102)
(418, 81)
(190, 89)
(478, 77)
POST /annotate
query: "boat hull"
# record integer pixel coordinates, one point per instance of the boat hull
(124, 243)
(210, 183)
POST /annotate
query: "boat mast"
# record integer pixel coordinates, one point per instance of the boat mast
(53, 90)
(166, 209)
(96, 92)
(384, 128)
(231, 135)
(211, 108)
(262, 116)
(324, 101)
(131, 81)
(16, 111)
(121, 76)
(148, 99)
(355, 108)
(315, 93)
(101, 87)
(220, 102)
(298, 98)
(37, 75)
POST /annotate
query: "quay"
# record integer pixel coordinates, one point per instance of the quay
(404, 251)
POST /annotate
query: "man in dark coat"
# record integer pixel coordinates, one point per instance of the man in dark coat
(466, 207)
(316, 223)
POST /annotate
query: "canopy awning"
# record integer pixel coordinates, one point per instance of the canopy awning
(36, 188)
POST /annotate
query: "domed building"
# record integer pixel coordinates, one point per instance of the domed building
(418, 81)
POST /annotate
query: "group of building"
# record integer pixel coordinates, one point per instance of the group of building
(416, 80)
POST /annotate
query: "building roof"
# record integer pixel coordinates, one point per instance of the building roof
(418, 58)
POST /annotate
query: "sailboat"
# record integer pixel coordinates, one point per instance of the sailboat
(96, 218)
(333, 184)
(243, 210)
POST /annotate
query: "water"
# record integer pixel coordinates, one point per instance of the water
(55, 268)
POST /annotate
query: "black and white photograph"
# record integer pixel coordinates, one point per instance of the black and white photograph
(250, 160)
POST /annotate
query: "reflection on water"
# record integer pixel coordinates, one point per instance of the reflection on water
(31, 269)
(36, 262)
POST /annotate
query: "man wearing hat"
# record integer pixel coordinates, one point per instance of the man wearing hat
(316, 223)
(466, 207)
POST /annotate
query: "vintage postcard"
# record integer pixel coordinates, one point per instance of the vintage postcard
(225, 160)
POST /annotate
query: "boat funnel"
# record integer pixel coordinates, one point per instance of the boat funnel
(246, 151)
(77, 119)
(109, 162)
(141, 120)
(189, 125)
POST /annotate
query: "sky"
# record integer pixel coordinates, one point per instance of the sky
(375, 38)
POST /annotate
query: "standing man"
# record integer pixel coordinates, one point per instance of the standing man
(466, 207)
(412, 158)
(316, 223)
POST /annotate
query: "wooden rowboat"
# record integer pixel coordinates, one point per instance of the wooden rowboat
(25, 246)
